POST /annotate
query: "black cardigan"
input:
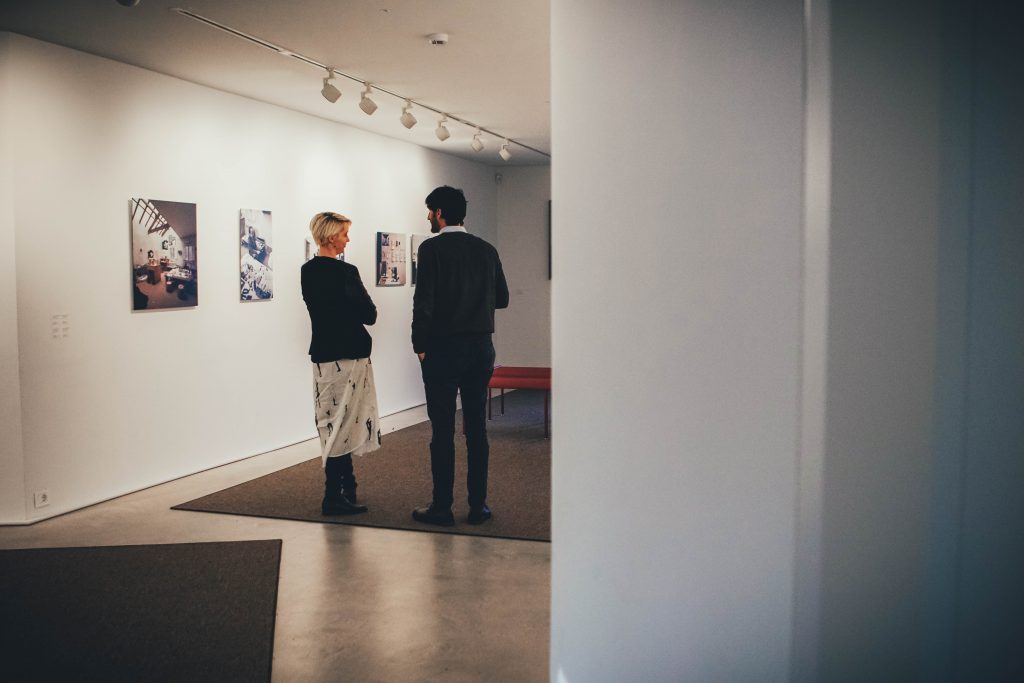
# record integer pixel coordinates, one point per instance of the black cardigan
(338, 308)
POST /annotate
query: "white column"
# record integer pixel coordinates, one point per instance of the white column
(676, 177)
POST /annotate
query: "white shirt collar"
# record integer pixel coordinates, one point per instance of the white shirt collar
(453, 228)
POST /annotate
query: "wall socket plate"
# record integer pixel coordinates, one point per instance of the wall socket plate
(41, 498)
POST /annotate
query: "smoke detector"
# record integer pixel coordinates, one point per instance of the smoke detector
(438, 38)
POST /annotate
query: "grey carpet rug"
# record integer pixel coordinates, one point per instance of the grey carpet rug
(396, 478)
(175, 612)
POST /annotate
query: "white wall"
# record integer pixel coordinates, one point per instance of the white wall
(885, 209)
(523, 330)
(132, 399)
(675, 337)
(953, 256)
(674, 456)
(12, 504)
(924, 504)
(990, 590)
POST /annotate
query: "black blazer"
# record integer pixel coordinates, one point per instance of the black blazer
(338, 308)
(459, 283)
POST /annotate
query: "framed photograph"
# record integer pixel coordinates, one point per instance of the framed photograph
(164, 255)
(256, 270)
(417, 240)
(312, 250)
(390, 259)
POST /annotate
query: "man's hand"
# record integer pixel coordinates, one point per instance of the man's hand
(422, 356)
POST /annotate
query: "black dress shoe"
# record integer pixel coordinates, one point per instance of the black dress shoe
(432, 515)
(479, 515)
(340, 505)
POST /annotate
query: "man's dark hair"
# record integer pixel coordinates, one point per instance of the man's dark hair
(452, 203)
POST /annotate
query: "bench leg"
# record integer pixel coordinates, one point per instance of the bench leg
(503, 401)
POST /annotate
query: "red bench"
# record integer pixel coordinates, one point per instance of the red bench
(518, 377)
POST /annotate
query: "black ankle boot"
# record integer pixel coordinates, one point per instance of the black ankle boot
(337, 504)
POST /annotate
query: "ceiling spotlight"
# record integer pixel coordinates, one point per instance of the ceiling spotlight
(366, 104)
(477, 143)
(442, 130)
(329, 91)
(503, 152)
(407, 119)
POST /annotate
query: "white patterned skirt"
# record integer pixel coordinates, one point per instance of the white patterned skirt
(346, 408)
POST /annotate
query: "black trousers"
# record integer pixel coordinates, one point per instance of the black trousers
(460, 365)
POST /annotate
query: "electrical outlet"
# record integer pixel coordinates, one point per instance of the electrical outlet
(41, 498)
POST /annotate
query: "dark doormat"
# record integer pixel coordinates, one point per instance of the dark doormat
(176, 612)
(396, 478)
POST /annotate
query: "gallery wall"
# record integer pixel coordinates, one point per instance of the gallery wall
(675, 338)
(128, 399)
(11, 464)
(524, 329)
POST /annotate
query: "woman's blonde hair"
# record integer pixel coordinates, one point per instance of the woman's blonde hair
(326, 225)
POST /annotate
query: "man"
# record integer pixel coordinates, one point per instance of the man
(459, 283)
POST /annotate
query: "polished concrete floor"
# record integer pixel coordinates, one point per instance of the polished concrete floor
(354, 603)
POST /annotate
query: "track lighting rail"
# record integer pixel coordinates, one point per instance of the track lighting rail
(255, 40)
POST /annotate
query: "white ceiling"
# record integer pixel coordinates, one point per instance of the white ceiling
(493, 72)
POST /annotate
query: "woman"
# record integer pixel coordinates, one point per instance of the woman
(346, 397)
